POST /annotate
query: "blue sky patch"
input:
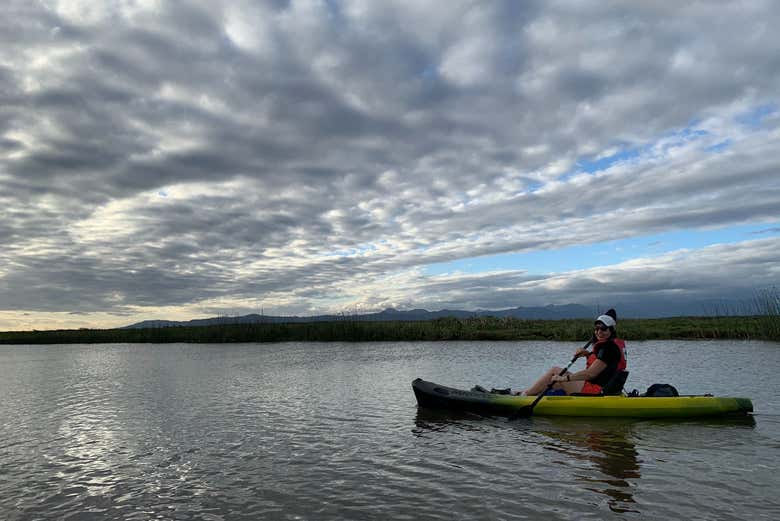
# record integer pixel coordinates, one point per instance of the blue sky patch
(591, 165)
(754, 118)
(719, 147)
(604, 253)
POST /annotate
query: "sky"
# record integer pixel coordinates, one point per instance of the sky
(188, 159)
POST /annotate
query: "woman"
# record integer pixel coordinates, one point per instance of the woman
(607, 358)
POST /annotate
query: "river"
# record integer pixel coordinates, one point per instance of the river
(331, 431)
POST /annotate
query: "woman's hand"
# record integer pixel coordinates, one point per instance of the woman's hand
(582, 352)
(558, 378)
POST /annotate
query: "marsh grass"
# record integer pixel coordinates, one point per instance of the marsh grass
(765, 326)
(767, 304)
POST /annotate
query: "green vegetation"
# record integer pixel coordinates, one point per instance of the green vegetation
(765, 326)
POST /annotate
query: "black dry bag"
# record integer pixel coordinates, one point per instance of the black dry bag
(661, 390)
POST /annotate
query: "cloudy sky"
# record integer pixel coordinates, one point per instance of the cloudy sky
(183, 159)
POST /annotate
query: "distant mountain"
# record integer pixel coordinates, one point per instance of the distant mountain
(645, 309)
(542, 313)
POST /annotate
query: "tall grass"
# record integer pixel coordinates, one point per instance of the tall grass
(767, 305)
(764, 325)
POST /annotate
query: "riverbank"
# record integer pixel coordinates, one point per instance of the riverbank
(761, 327)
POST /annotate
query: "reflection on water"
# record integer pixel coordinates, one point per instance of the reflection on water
(610, 446)
(431, 420)
(606, 443)
(602, 455)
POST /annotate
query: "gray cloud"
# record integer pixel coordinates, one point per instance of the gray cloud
(307, 155)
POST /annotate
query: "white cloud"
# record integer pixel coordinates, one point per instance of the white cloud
(321, 153)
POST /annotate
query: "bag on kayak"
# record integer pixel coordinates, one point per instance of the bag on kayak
(480, 389)
(659, 390)
(508, 390)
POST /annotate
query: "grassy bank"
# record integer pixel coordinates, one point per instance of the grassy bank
(765, 327)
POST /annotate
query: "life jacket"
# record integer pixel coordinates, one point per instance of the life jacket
(618, 342)
(623, 354)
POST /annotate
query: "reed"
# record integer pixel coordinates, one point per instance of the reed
(764, 325)
(767, 306)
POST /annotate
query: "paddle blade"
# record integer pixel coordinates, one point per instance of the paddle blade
(527, 410)
(523, 412)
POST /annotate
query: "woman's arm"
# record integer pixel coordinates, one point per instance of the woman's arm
(586, 374)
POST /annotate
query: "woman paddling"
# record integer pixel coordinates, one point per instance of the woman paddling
(603, 363)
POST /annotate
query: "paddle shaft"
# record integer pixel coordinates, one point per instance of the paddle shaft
(528, 409)
(550, 386)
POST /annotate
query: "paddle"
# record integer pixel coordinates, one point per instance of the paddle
(528, 410)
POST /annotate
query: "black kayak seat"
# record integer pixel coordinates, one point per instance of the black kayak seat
(615, 384)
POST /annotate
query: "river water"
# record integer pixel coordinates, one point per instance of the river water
(332, 431)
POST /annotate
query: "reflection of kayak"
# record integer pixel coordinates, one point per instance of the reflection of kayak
(431, 395)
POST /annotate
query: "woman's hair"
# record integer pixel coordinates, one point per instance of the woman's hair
(606, 318)
(612, 332)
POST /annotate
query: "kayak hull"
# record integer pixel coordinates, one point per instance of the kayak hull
(434, 396)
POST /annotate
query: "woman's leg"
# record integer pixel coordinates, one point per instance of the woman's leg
(541, 384)
(570, 387)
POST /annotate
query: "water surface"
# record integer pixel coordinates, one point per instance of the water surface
(332, 431)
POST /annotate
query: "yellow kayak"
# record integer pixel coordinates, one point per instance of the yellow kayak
(431, 395)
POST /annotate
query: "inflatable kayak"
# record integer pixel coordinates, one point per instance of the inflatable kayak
(435, 396)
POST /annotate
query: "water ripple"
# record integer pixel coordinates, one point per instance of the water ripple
(313, 431)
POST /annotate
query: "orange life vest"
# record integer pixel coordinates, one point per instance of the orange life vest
(623, 360)
(618, 342)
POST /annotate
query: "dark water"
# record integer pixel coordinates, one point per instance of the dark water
(332, 431)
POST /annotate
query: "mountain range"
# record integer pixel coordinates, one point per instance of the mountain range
(550, 312)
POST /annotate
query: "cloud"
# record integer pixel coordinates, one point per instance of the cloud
(319, 154)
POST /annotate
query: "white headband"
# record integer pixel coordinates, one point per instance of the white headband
(606, 320)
